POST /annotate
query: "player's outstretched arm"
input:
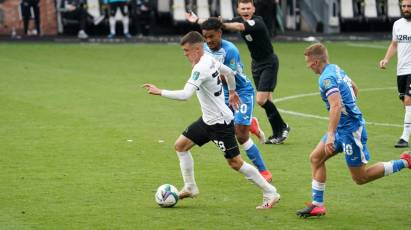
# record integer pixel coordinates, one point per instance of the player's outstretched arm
(234, 26)
(193, 18)
(181, 95)
(152, 89)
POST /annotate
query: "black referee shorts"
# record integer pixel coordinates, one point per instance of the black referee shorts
(221, 134)
(265, 74)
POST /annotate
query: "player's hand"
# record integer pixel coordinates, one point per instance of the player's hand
(234, 100)
(191, 17)
(152, 89)
(329, 144)
(383, 63)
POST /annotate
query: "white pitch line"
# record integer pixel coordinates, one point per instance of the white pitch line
(326, 118)
(362, 45)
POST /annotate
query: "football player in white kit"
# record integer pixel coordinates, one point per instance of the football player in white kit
(401, 43)
(216, 123)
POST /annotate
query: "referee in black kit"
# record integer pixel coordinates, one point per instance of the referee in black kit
(264, 64)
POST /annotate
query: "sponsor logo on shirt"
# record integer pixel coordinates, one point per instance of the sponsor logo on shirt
(232, 63)
(327, 83)
(403, 38)
(248, 38)
(251, 22)
(195, 75)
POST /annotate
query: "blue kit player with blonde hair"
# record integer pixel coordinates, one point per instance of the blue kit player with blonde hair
(346, 131)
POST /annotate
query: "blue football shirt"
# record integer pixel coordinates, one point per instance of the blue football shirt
(332, 80)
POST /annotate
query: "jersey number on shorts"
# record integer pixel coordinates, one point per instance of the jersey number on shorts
(220, 145)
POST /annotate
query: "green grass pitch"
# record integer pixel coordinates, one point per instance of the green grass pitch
(83, 146)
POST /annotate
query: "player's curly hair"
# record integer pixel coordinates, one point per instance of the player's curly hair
(212, 23)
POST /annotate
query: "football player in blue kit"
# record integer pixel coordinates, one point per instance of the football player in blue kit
(228, 54)
(346, 131)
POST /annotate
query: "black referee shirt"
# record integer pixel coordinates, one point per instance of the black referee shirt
(257, 37)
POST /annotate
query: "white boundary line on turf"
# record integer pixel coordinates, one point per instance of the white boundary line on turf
(362, 45)
(326, 118)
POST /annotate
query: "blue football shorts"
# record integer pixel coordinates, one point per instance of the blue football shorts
(243, 115)
(353, 145)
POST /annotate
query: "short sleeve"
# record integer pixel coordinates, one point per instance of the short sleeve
(253, 24)
(232, 58)
(329, 86)
(394, 31)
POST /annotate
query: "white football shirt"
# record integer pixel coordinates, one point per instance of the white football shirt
(205, 76)
(401, 33)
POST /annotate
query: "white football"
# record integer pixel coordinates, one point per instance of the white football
(166, 196)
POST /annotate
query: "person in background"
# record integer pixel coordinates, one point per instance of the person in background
(113, 6)
(264, 65)
(76, 9)
(26, 7)
(401, 44)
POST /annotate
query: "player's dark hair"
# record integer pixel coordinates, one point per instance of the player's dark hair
(192, 37)
(212, 23)
(245, 1)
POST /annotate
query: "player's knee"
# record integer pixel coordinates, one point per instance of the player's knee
(235, 163)
(314, 159)
(179, 147)
(242, 138)
(407, 100)
(261, 101)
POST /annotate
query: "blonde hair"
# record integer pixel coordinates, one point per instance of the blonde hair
(317, 51)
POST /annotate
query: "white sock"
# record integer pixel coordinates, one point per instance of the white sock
(388, 170)
(187, 168)
(248, 144)
(125, 24)
(407, 124)
(252, 174)
(112, 22)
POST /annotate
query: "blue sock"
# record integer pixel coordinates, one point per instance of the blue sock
(393, 166)
(397, 165)
(254, 155)
(318, 192)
